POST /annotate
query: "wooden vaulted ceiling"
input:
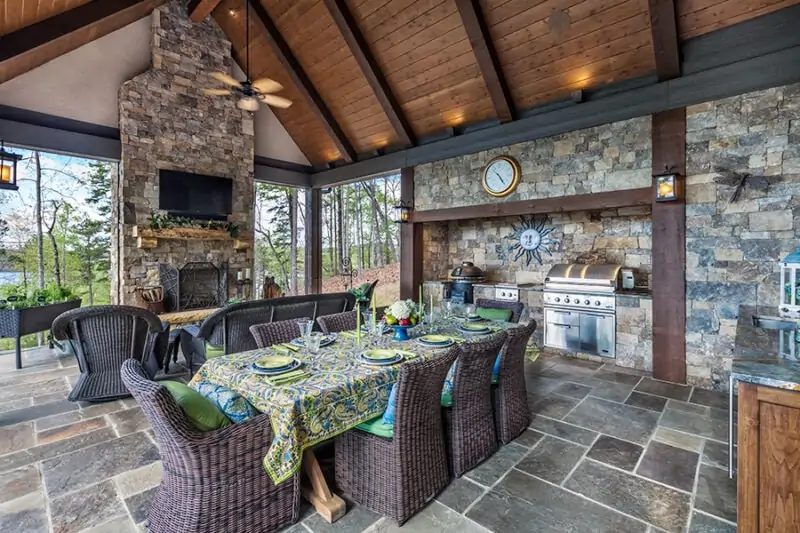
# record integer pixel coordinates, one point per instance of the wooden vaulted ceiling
(369, 75)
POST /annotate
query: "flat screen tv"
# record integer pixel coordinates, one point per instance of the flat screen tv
(195, 195)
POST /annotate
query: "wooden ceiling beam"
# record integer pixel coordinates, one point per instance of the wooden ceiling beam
(664, 28)
(302, 82)
(366, 61)
(486, 56)
(199, 9)
(31, 46)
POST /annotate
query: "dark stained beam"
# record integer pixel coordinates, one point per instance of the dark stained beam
(664, 28)
(303, 83)
(34, 45)
(669, 251)
(199, 9)
(562, 204)
(486, 56)
(366, 61)
(410, 243)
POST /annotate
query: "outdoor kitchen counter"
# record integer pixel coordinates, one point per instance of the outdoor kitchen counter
(777, 373)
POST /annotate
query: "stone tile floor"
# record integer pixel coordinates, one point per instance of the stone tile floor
(607, 451)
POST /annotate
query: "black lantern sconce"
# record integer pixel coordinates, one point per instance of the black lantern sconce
(8, 169)
(402, 213)
(668, 186)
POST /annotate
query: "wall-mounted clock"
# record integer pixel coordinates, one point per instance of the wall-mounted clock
(501, 176)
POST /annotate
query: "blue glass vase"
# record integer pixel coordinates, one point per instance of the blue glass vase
(400, 333)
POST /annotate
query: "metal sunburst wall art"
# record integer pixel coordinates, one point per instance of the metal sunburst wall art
(530, 239)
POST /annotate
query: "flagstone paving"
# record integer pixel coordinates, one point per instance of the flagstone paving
(607, 451)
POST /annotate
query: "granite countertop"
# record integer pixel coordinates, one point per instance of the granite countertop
(636, 291)
(778, 373)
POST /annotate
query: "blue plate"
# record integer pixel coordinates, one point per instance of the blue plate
(381, 362)
(274, 371)
(328, 339)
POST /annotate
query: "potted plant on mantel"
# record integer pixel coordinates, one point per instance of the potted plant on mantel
(23, 313)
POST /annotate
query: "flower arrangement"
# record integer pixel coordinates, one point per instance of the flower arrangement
(402, 313)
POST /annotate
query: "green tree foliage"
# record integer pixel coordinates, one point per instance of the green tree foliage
(90, 245)
(98, 179)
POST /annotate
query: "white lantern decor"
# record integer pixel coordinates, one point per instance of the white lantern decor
(790, 303)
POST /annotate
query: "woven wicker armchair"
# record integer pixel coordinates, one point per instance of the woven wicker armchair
(103, 337)
(469, 423)
(516, 307)
(212, 482)
(267, 335)
(338, 322)
(510, 396)
(397, 477)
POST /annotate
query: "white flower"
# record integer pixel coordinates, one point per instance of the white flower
(402, 309)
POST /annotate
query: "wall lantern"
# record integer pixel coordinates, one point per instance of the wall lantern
(402, 213)
(668, 186)
(8, 169)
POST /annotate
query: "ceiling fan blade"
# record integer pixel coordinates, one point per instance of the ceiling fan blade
(275, 101)
(217, 92)
(266, 86)
(226, 79)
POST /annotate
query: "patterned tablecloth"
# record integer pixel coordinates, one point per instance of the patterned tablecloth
(340, 393)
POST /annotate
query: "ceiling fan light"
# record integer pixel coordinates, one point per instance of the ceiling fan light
(248, 103)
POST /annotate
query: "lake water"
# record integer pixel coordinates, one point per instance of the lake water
(10, 278)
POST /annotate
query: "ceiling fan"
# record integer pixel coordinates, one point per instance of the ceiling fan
(251, 92)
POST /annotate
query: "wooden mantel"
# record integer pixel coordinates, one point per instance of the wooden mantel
(562, 204)
(147, 237)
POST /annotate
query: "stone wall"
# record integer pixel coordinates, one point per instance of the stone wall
(733, 249)
(167, 123)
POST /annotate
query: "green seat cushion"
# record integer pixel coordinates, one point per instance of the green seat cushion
(199, 410)
(494, 379)
(501, 315)
(377, 427)
(447, 400)
(214, 351)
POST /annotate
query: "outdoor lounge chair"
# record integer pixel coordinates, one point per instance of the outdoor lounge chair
(469, 422)
(273, 333)
(103, 337)
(338, 322)
(214, 481)
(398, 476)
(510, 396)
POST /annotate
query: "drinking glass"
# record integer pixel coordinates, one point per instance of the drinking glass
(313, 341)
(469, 310)
(449, 308)
(430, 319)
(306, 326)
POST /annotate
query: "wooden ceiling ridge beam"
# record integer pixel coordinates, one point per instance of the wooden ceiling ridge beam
(31, 37)
(486, 57)
(369, 66)
(666, 47)
(303, 83)
(199, 9)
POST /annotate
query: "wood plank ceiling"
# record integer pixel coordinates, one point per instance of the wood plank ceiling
(417, 74)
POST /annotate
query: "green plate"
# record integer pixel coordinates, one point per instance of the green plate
(380, 355)
(474, 327)
(436, 339)
(275, 361)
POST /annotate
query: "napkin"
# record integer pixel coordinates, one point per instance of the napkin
(291, 347)
(288, 377)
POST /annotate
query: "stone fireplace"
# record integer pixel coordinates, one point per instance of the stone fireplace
(166, 123)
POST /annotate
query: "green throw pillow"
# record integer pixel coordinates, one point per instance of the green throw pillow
(501, 315)
(447, 400)
(201, 412)
(214, 351)
(377, 427)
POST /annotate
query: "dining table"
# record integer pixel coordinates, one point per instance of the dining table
(337, 392)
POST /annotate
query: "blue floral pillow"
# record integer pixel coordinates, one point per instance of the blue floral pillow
(496, 369)
(234, 405)
(388, 415)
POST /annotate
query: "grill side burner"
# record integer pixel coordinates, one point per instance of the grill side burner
(580, 308)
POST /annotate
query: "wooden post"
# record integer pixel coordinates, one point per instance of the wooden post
(410, 242)
(669, 251)
(313, 261)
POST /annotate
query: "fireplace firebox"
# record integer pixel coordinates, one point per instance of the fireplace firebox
(195, 285)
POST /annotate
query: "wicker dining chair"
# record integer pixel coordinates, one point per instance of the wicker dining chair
(214, 481)
(469, 422)
(516, 307)
(398, 476)
(104, 336)
(267, 335)
(338, 322)
(510, 396)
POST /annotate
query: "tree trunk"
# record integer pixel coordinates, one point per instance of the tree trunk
(293, 244)
(54, 244)
(89, 280)
(39, 235)
(284, 273)
(392, 251)
(359, 251)
(340, 226)
(377, 249)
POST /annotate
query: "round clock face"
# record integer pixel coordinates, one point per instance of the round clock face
(530, 239)
(501, 176)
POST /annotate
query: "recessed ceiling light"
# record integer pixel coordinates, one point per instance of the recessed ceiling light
(232, 12)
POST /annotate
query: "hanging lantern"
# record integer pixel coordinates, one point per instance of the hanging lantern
(8, 169)
(668, 187)
(402, 213)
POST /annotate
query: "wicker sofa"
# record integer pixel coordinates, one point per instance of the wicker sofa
(228, 329)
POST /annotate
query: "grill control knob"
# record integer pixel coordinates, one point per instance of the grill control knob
(597, 302)
(587, 302)
(566, 300)
(785, 309)
(557, 299)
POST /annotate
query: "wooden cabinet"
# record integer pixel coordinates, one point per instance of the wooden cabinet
(769, 460)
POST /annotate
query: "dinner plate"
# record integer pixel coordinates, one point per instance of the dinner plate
(384, 362)
(266, 372)
(386, 329)
(435, 339)
(380, 355)
(326, 340)
(444, 343)
(274, 362)
(474, 328)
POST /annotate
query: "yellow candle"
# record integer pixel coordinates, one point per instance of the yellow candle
(358, 324)
(374, 313)
(419, 301)
(431, 309)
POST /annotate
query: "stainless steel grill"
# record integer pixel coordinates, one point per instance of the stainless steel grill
(580, 308)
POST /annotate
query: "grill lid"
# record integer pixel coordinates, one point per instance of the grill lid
(584, 275)
(467, 272)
